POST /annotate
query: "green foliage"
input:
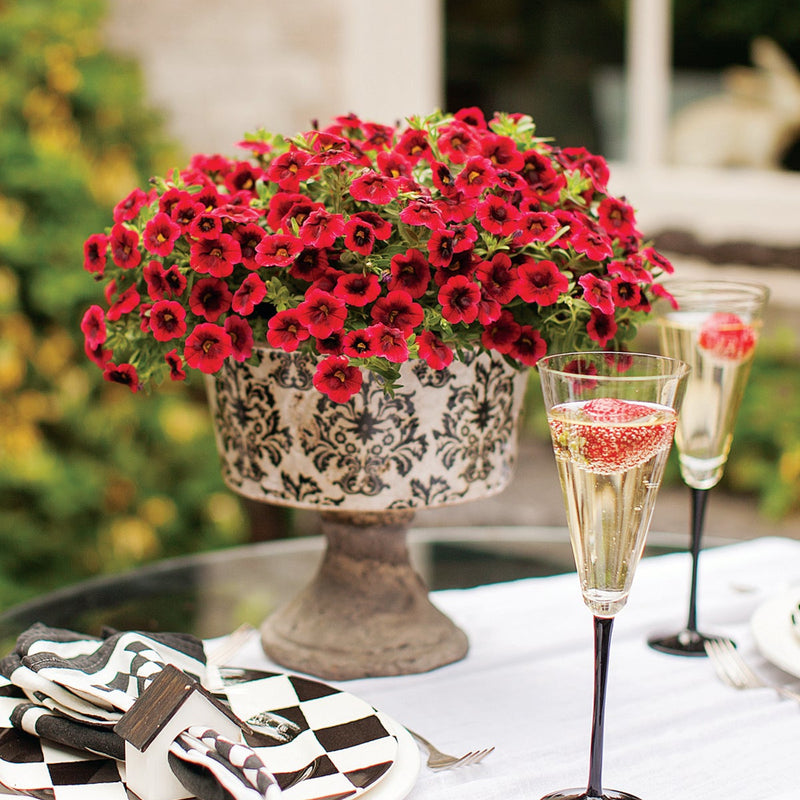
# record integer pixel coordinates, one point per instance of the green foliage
(91, 478)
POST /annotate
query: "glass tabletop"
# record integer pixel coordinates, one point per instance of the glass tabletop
(212, 593)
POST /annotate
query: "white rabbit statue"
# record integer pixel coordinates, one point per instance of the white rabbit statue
(751, 124)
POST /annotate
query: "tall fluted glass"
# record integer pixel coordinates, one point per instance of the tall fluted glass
(714, 327)
(612, 420)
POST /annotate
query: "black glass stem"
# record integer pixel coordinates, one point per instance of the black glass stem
(594, 791)
(602, 646)
(689, 641)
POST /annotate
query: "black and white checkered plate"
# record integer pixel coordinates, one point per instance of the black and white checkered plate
(344, 749)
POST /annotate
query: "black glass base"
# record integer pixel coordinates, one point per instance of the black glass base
(685, 643)
(581, 794)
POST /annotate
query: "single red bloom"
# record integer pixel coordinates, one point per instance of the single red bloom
(169, 199)
(122, 373)
(216, 257)
(249, 294)
(502, 152)
(243, 178)
(510, 181)
(601, 327)
(464, 262)
(129, 207)
(389, 342)
(536, 226)
(359, 344)
(93, 326)
(456, 207)
(472, 116)
(207, 225)
(277, 250)
(373, 187)
(457, 142)
(156, 280)
(410, 272)
(257, 147)
(617, 218)
(185, 210)
(625, 294)
(541, 176)
(286, 331)
(597, 293)
(497, 216)
(540, 281)
(397, 309)
(208, 197)
(459, 298)
(248, 237)
(359, 237)
(659, 291)
(337, 378)
(529, 347)
(237, 209)
(322, 313)
(501, 334)
(290, 168)
(98, 355)
(327, 279)
(167, 320)
(443, 178)
(464, 237)
(435, 353)
(476, 175)
(175, 281)
(570, 225)
(321, 228)
(357, 289)
(394, 165)
(423, 212)
(377, 137)
(331, 149)
(440, 247)
(241, 337)
(207, 347)
(175, 362)
(593, 244)
(381, 227)
(309, 265)
(94, 253)
(498, 278)
(332, 345)
(160, 234)
(654, 257)
(124, 304)
(488, 309)
(414, 145)
(279, 206)
(124, 245)
(630, 270)
(210, 298)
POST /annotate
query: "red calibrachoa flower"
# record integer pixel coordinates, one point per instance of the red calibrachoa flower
(322, 313)
(216, 257)
(445, 235)
(540, 282)
(210, 298)
(167, 320)
(160, 235)
(286, 330)
(207, 347)
(337, 378)
(459, 299)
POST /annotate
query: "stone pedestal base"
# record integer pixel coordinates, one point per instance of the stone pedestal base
(366, 613)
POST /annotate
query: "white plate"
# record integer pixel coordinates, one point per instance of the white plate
(774, 632)
(402, 775)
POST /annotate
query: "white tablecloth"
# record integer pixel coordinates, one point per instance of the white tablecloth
(673, 730)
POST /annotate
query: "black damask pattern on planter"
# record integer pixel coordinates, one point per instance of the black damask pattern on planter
(444, 437)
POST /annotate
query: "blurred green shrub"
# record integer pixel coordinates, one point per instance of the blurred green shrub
(91, 478)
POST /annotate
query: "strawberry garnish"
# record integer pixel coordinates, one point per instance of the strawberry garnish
(727, 337)
(603, 436)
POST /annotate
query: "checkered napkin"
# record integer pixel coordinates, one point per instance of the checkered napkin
(78, 687)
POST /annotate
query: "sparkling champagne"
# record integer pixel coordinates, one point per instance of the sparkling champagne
(611, 456)
(715, 387)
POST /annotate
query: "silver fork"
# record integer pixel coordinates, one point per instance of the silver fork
(439, 760)
(734, 671)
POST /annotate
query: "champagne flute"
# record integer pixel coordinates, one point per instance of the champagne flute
(612, 419)
(714, 329)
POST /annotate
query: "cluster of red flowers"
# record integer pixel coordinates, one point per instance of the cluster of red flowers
(370, 245)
